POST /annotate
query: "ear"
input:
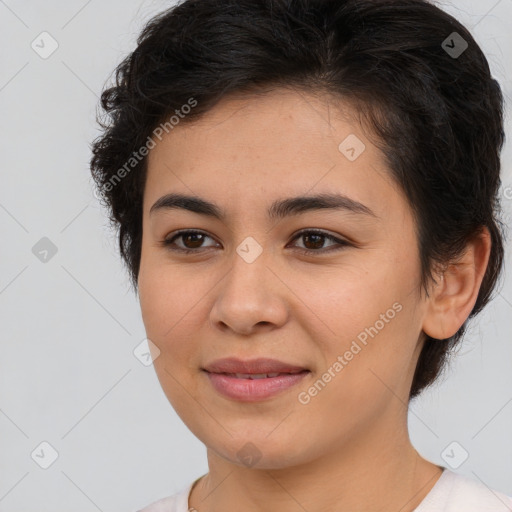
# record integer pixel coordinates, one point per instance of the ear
(457, 288)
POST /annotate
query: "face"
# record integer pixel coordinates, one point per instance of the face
(349, 311)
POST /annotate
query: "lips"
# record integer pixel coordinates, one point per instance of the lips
(257, 375)
(253, 380)
(252, 369)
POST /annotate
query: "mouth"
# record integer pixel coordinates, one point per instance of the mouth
(253, 376)
(254, 387)
(252, 368)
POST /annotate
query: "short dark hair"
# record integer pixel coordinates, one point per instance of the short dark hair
(431, 103)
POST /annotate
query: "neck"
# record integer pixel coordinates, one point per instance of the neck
(370, 472)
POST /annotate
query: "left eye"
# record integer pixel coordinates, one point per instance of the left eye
(311, 237)
(316, 239)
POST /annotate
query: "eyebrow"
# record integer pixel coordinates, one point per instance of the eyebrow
(278, 209)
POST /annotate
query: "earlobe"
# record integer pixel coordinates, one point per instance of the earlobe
(455, 293)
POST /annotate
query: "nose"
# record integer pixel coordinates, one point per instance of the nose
(250, 298)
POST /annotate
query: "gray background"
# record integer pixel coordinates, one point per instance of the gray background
(69, 325)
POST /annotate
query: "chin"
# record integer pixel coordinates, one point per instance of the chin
(259, 452)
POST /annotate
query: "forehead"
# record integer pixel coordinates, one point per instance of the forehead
(249, 149)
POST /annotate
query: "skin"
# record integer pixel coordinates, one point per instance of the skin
(349, 445)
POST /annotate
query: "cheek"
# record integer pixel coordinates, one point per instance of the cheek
(172, 310)
(366, 316)
(165, 296)
(167, 307)
(152, 301)
(349, 299)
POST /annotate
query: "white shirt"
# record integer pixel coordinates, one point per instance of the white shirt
(451, 493)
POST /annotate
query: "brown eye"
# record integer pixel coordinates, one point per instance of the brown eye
(314, 241)
(191, 241)
(196, 239)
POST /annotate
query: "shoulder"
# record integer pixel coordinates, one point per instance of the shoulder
(475, 495)
(176, 503)
(454, 492)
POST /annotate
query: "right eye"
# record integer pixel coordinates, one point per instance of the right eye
(191, 237)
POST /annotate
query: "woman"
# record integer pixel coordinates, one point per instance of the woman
(306, 193)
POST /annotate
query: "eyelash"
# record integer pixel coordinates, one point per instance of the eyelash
(167, 243)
